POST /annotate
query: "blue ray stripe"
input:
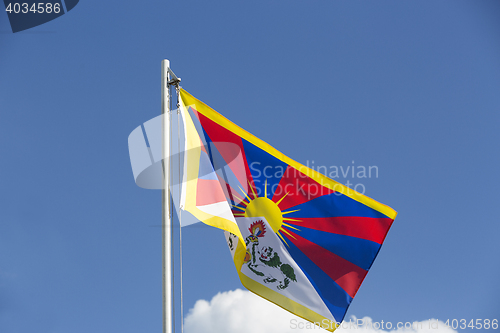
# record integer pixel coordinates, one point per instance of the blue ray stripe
(218, 162)
(335, 298)
(205, 139)
(224, 171)
(207, 142)
(334, 205)
(360, 252)
(206, 171)
(197, 125)
(263, 166)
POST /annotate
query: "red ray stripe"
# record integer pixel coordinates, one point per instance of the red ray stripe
(218, 133)
(231, 193)
(369, 228)
(300, 189)
(347, 275)
(209, 192)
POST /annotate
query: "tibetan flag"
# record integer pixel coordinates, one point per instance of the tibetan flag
(298, 238)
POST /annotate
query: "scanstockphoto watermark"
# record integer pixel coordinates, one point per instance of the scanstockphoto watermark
(351, 176)
(367, 323)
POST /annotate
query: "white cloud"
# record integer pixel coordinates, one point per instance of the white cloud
(238, 311)
(243, 312)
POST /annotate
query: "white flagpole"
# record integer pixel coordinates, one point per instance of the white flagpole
(166, 214)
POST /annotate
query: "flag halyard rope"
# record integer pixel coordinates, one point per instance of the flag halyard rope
(177, 89)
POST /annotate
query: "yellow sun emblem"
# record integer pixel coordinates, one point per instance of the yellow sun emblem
(265, 207)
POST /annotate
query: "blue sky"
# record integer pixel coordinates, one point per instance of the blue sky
(408, 86)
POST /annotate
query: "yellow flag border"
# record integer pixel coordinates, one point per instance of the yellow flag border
(286, 303)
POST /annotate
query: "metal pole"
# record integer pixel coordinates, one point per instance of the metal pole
(166, 217)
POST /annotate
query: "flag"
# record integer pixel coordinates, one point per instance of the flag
(298, 238)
